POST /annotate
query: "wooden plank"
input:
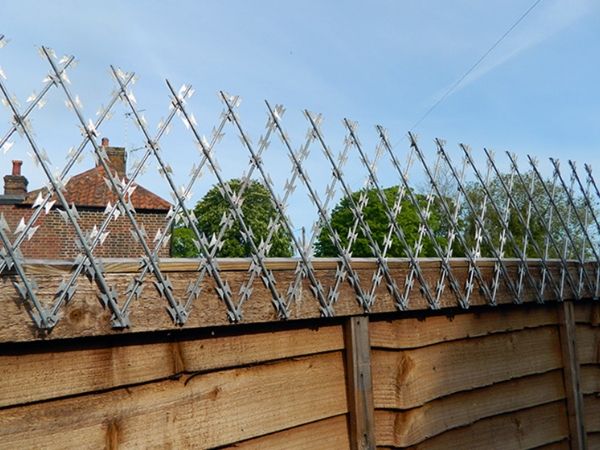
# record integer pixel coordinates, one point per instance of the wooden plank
(591, 411)
(572, 379)
(249, 348)
(410, 378)
(590, 379)
(594, 317)
(360, 387)
(405, 428)
(331, 434)
(560, 445)
(594, 440)
(587, 312)
(588, 344)
(405, 333)
(528, 428)
(40, 375)
(203, 410)
(132, 265)
(85, 316)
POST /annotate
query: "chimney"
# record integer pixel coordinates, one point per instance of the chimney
(117, 157)
(15, 184)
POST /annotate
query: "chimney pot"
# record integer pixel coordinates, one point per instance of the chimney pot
(16, 168)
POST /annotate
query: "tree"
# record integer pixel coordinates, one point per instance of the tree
(374, 213)
(182, 243)
(257, 210)
(539, 220)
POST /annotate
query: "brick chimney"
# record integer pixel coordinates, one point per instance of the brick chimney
(117, 157)
(15, 184)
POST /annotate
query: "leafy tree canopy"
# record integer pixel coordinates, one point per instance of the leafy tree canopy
(182, 243)
(542, 218)
(257, 210)
(342, 220)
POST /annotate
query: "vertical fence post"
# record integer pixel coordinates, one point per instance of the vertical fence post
(358, 382)
(572, 381)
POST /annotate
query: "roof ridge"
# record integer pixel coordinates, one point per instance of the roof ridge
(88, 189)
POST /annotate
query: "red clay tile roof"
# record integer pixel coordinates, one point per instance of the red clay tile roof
(88, 189)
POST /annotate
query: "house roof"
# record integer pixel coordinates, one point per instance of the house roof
(89, 189)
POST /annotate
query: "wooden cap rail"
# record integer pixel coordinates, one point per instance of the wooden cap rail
(84, 315)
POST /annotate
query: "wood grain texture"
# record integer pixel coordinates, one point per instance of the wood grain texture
(561, 445)
(359, 383)
(204, 410)
(591, 408)
(588, 344)
(406, 333)
(594, 440)
(571, 375)
(40, 375)
(409, 378)
(590, 379)
(528, 428)
(410, 427)
(587, 312)
(330, 434)
(85, 316)
(131, 265)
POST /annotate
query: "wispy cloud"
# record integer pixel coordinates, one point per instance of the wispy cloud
(550, 18)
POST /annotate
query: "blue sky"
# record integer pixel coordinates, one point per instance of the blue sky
(378, 62)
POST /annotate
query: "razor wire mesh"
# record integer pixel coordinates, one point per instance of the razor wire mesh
(405, 203)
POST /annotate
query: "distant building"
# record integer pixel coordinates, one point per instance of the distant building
(56, 239)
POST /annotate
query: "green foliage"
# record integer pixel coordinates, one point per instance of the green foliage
(342, 220)
(182, 243)
(257, 210)
(537, 224)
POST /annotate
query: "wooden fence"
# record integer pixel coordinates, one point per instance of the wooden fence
(511, 376)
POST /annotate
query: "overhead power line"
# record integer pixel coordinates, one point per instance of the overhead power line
(477, 63)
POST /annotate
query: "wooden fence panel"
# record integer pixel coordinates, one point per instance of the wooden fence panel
(501, 363)
(587, 312)
(403, 428)
(203, 410)
(330, 434)
(592, 413)
(410, 378)
(587, 339)
(434, 329)
(561, 445)
(590, 379)
(529, 428)
(588, 344)
(287, 385)
(39, 375)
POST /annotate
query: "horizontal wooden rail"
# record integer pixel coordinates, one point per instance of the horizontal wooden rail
(129, 265)
(84, 315)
